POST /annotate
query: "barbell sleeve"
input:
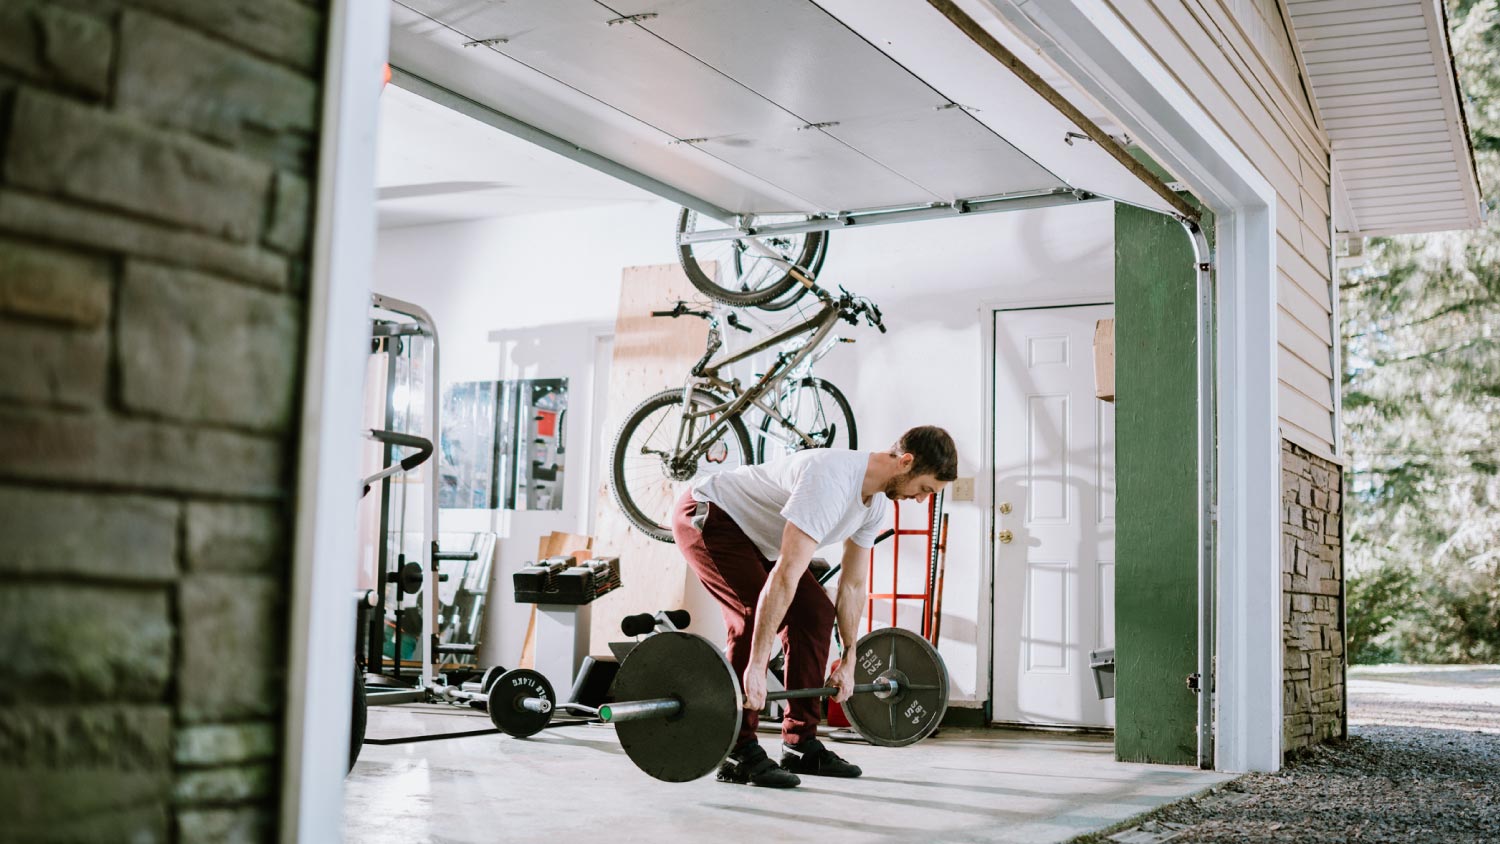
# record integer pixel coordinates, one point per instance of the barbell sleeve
(639, 710)
(539, 705)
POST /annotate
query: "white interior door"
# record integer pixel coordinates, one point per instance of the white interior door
(1055, 496)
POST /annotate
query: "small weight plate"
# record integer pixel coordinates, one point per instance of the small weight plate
(505, 709)
(411, 578)
(913, 712)
(491, 674)
(690, 669)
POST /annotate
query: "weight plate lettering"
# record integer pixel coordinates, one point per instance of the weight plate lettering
(506, 694)
(690, 669)
(916, 709)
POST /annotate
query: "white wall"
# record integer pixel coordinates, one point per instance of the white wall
(557, 276)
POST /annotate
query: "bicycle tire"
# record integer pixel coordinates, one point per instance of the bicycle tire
(799, 290)
(658, 525)
(759, 295)
(815, 383)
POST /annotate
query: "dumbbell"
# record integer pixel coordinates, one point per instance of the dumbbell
(679, 708)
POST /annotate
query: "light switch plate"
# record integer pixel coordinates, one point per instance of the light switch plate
(963, 489)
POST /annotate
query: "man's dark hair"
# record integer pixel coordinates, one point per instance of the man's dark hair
(932, 450)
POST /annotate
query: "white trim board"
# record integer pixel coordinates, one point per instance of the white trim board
(321, 626)
(1090, 43)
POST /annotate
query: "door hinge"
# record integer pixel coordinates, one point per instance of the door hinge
(1195, 683)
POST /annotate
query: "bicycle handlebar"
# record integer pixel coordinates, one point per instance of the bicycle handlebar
(681, 309)
(851, 308)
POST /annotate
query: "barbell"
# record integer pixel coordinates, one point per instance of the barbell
(678, 701)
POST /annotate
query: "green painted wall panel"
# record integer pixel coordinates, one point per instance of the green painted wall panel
(1156, 598)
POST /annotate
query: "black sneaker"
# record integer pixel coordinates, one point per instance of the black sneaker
(809, 756)
(750, 764)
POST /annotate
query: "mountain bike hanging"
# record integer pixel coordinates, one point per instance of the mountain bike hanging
(679, 436)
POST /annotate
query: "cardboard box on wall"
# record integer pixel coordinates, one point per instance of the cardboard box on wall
(1104, 359)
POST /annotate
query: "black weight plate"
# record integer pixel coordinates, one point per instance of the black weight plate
(917, 709)
(491, 674)
(690, 669)
(411, 578)
(505, 708)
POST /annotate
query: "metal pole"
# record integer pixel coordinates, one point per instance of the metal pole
(375, 630)
(1207, 492)
(900, 214)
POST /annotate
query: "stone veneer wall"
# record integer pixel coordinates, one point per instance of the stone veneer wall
(155, 163)
(1312, 602)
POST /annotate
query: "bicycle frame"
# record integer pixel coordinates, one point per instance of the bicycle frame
(705, 376)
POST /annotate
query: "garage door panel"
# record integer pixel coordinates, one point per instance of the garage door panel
(821, 168)
(623, 66)
(973, 160)
(792, 53)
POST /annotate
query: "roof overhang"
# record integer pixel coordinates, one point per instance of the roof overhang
(854, 110)
(1385, 87)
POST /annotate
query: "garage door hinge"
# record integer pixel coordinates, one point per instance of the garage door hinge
(643, 16)
(1195, 683)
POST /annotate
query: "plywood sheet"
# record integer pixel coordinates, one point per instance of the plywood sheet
(650, 355)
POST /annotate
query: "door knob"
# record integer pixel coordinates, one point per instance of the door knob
(1004, 507)
(1005, 537)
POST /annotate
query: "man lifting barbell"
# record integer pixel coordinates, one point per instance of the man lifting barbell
(731, 526)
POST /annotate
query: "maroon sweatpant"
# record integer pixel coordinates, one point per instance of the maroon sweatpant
(733, 570)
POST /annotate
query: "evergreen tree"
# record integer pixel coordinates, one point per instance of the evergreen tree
(1421, 329)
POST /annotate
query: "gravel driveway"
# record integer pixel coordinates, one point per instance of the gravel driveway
(1422, 764)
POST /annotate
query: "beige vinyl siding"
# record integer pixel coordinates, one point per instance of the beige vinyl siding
(1266, 27)
(1218, 50)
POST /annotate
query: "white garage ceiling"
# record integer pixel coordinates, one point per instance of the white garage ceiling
(772, 106)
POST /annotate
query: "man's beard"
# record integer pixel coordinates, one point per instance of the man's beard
(893, 486)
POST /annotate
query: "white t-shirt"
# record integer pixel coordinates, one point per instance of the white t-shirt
(817, 490)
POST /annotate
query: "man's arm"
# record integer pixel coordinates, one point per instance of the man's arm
(853, 594)
(781, 586)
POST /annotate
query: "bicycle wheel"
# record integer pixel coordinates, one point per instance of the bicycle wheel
(731, 272)
(645, 481)
(816, 408)
(798, 290)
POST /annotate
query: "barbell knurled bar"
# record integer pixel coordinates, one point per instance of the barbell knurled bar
(667, 707)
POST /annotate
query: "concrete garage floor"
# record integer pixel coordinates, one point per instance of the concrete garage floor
(960, 786)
